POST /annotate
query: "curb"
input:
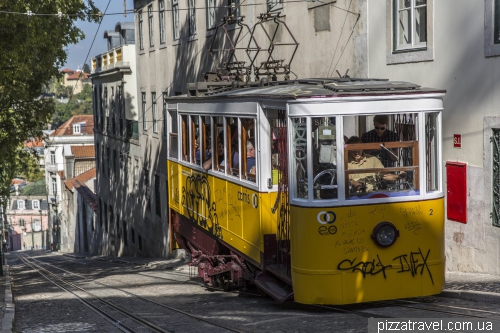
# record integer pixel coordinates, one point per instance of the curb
(469, 295)
(10, 309)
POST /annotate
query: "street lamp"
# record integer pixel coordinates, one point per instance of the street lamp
(41, 224)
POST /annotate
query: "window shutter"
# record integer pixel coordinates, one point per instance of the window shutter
(29, 204)
(14, 205)
(43, 205)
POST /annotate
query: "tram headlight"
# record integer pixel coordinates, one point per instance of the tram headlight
(385, 234)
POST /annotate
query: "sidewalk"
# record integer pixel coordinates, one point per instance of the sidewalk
(468, 286)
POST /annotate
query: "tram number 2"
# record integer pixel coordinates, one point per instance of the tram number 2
(431, 211)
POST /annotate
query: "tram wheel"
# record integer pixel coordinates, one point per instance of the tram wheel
(225, 282)
(215, 281)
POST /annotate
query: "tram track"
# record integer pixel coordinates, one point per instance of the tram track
(66, 285)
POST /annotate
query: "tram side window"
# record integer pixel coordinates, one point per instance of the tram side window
(324, 144)
(216, 161)
(231, 146)
(299, 157)
(431, 152)
(248, 148)
(381, 156)
(173, 144)
(203, 144)
(186, 139)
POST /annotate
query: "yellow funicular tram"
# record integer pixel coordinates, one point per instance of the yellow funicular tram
(288, 186)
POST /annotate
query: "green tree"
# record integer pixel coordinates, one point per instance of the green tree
(33, 50)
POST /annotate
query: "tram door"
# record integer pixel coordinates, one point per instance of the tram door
(279, 163)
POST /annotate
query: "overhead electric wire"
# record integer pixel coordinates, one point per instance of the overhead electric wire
(131, 11)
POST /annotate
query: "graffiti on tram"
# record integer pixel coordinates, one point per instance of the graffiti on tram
(414, 263)
(196, 198)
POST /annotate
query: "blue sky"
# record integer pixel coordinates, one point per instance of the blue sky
(78, 52)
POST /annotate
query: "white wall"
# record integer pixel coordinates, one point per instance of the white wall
(458, 65)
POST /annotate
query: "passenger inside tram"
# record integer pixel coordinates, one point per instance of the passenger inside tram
(370, 181)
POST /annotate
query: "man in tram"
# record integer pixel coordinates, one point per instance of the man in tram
(366, 182)
(381, 134)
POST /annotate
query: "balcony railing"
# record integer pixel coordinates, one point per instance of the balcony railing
(51, 167)
(110, 59)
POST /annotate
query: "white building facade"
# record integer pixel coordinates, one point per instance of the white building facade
(119, 163)
(77, 131)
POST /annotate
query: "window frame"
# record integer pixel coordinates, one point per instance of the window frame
(409, 55)
(491, 28)
(141, 30)
(154, 112)
(35, 203)
(21, 205)
(412, 46)
(192, 17)
(175, 20)
(151, 26)
(211, 19)
(143, 109)
(161, 20)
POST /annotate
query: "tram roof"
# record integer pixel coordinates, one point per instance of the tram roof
(308, 88)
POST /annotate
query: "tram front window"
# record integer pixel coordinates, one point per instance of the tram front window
(366, 175)
(324, 142)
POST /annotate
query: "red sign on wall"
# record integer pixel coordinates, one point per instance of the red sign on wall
(456, 191)
(457, 140)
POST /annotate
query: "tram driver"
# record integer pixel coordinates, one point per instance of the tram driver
(381, 134)
(366, 182)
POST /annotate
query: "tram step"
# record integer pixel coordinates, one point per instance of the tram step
(274, 287)
(280, 271)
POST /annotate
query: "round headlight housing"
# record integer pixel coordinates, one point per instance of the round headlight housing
(385, 234)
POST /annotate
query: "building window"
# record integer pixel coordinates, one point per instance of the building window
(165, 129)
(410, 24)
(210, 14)
(54, 187)
(175, 18)
(192, 17)
(492, 28)
(36, 204)
(147, 187)
(410, 34)
(233, 8)
(120, 108)
(132, 235)
(141, 31)
(154, 112)
(157, 196)
(150, 26)
(21, 204)
(22, 223)
(101, 108)
(274, 5)
(76, 129)
(52, 157)
(125, 242)
(144, 124)
(161, 18)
